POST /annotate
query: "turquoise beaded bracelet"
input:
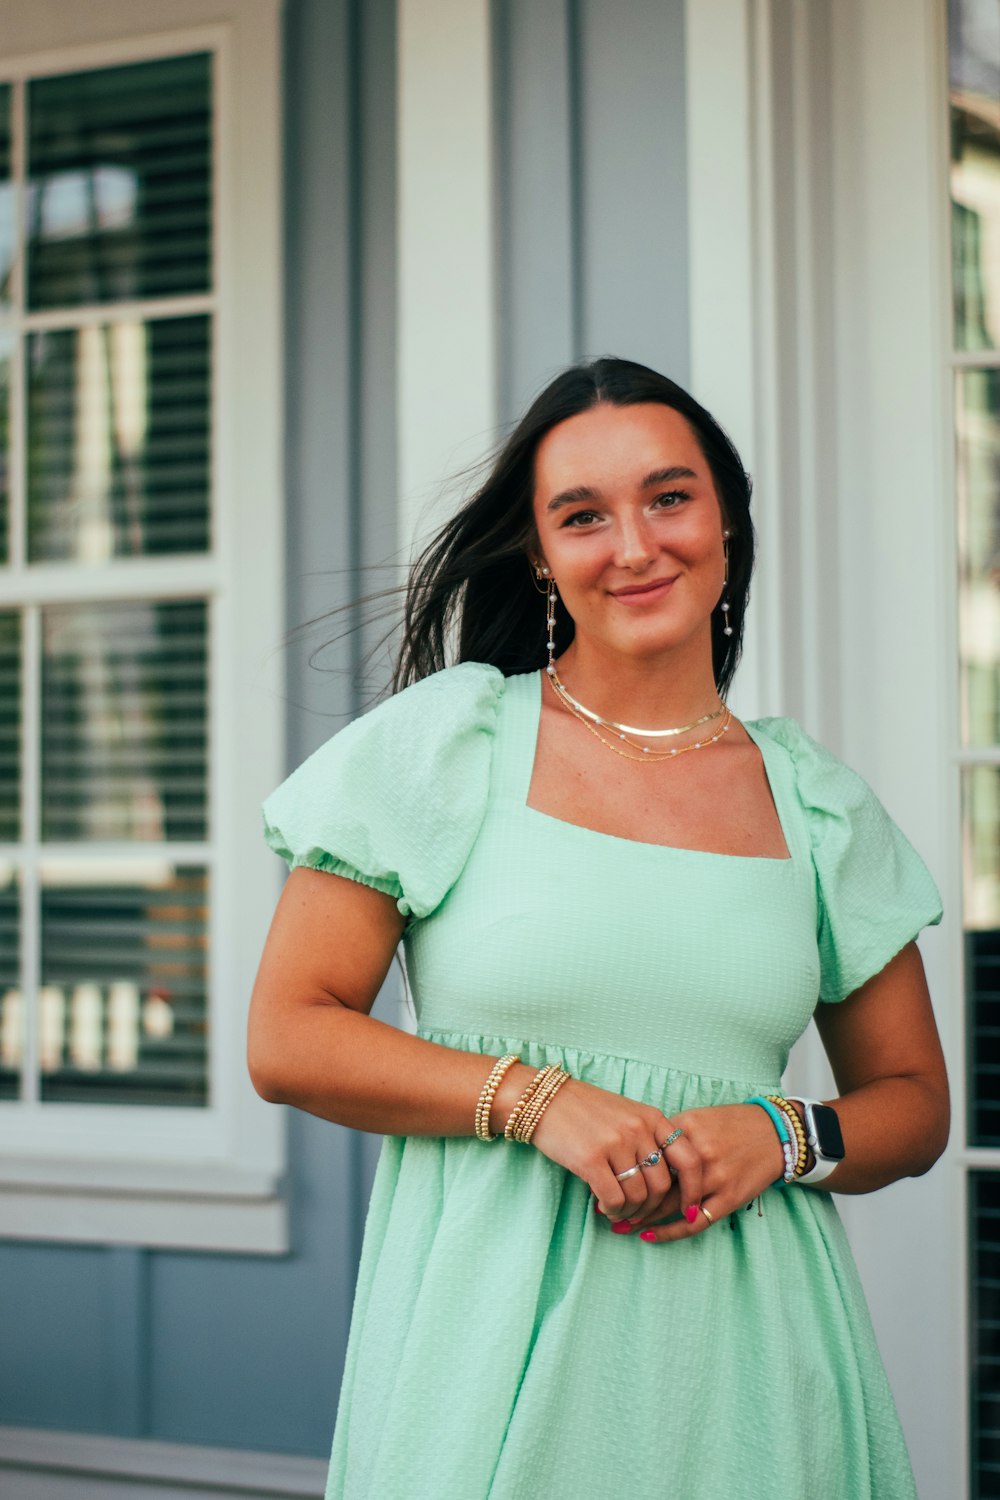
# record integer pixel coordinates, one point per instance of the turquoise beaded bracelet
(781, 1126)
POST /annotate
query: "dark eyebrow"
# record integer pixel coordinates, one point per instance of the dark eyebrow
(584, 492)
(667, 476)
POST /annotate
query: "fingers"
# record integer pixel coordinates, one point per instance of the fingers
(641, 1174)
(686, 1164)
(674, 1181)
(657, 1181)
(707, 1217)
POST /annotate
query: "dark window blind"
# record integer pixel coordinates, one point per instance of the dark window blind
(120, 183)
(11, 999)
(123, 1009)
(10, 726)
(984, 1282)
(119, 440)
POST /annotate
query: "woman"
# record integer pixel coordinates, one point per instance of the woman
(613, 935)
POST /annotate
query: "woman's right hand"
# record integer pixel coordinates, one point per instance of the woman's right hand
(596, 1134)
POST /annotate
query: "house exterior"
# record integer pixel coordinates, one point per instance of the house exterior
(269, 275)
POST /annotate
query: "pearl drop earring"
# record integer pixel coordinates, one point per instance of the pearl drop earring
(727, 629)
(550, 621)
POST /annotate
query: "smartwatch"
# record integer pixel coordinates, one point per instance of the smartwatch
(824, 1137)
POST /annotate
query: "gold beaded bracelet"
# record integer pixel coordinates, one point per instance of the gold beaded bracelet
(540, 1101)
(485, 1102)
(519, 1108)
(795, 1124)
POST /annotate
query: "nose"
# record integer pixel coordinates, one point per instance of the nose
(635, 545)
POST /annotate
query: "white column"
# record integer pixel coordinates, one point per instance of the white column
(729, 367)
(446, 349)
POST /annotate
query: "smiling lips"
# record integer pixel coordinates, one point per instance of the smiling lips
(643, 593)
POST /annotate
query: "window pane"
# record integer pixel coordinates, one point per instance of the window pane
(977, 424)
(974, 50)
(10, 725)
(6, 197)
(119, 183)
(984, 1283)
(123, 1006)
(118, 440)
(981, 883)
(124, 721)
(11, 1005)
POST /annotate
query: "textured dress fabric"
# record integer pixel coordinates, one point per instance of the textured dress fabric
(505, 1343)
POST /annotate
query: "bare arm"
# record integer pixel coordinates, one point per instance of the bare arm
(313, 1044)
(893, 1108)
(886, 1057)
(311, 1040)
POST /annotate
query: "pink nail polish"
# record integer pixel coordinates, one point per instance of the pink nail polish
(691, 1213)
(622, 1227)
(648, 1234)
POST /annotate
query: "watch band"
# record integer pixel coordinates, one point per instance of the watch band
(823, 1165)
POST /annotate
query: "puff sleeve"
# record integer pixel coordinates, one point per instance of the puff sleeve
(396, 798)
(874, 892)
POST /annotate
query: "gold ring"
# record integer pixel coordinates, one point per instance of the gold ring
(705, 1211)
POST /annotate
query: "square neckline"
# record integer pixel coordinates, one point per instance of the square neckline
(533, 727)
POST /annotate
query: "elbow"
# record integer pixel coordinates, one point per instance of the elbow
(934, 1138)
(267, 1062)
(264, 1077)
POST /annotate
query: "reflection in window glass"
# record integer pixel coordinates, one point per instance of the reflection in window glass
(977, 426)
(974, 51)
(124, 721)
(119, 183)
(123, 1005)
(118, 440)
(11, 1003)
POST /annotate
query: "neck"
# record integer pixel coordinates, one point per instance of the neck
(675, 687)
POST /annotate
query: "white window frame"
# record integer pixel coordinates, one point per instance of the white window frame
(208, 1178)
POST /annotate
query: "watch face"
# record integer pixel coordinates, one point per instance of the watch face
(827, 1128)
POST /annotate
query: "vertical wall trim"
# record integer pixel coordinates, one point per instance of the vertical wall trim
(446, 276)
(577, 168)
(723, 300)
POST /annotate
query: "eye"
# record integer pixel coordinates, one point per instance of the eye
(679, 495)
(580, 515)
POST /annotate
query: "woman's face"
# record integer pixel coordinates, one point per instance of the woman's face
(629, 522)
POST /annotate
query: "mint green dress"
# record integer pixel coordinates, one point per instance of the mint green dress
(505, 1345)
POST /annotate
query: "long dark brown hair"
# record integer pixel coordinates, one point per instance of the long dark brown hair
(472, 585)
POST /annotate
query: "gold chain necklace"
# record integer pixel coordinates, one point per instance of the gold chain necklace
(625, 729)
(642, 752)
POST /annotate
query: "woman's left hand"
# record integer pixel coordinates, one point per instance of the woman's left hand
(740, 1157)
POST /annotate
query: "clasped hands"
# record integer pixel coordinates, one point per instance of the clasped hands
(725, 1156)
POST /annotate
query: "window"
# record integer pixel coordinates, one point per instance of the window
(136, 593)
(974, 49)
